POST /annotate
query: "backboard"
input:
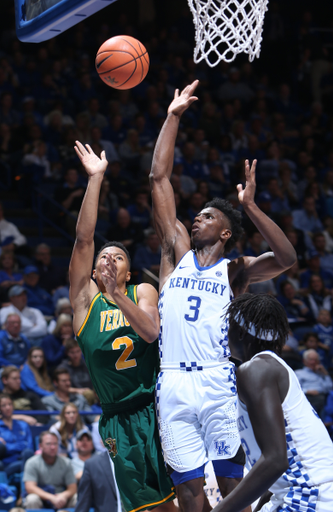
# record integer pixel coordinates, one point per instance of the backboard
(39, 20)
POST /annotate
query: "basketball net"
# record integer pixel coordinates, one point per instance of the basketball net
(224, 28)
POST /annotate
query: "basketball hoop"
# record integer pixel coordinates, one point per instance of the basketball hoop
(225, 28)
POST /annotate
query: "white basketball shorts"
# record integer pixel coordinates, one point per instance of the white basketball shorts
(196, 414)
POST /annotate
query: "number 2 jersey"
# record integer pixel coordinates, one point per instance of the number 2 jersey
(122, 365)
(192, 306)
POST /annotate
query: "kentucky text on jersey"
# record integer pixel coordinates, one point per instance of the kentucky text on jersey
(195, 284)
(112, 319)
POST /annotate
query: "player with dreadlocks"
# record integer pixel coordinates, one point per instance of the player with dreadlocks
(286, 443)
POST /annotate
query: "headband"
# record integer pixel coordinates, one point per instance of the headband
(265, 335)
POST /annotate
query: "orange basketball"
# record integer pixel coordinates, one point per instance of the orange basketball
(122, 62)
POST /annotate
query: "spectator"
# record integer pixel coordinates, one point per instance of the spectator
(33, 323)
(67, 428)
(97, 487)
(326, 257)
(140, 211)
(314, 380)
(8, 275)
(16, 444)
(107, 146)
(307, 219)
(53, 344)
(14, 346)
(328, 414)
(297, 311)
(148, 255)
(317, 296)
(314, 268)
(291, 275)
(255, 242)
(328, 233)
(130, 151)
(78, 371)
(50, 275)
(85, 448)
(37, 297)
(62, 395)
(49, 479)
(191, 167)
(62, 306)
(234, 88)
(22, 400)
(126, 231)
(34, 376)
(10, 233)
(70, 194)
(324, 330)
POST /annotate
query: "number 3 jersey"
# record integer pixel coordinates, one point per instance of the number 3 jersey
(192, 307)
(121, 364)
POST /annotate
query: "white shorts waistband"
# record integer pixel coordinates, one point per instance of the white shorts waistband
(192, 366)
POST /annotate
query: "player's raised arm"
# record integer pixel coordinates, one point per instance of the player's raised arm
(164, 208)
(82, 288)
(268, 265)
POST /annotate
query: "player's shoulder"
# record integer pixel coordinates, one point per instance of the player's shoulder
(146, 291)
(258, 370)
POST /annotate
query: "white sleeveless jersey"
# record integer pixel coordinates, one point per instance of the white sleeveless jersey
(309, 447)
(192, 305)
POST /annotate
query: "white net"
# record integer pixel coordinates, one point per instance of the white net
(224, 28)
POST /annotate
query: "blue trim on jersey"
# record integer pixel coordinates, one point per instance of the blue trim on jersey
(301, 495)
(192, 367)
(181, 478)
(227, 469)
(205, 268)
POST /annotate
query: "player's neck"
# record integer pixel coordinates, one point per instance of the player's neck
(208, 255)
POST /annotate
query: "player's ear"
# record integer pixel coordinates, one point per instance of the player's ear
(226, 234)
(94, 273)
(128, 276)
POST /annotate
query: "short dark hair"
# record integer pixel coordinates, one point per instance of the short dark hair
(60, 370)
(70, 343)
(115, 244)
(234, 217)
(310, 335)
(265, 313)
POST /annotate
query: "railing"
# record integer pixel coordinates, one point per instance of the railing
(149, 277)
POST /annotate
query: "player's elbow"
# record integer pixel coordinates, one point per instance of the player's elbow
(278, 464)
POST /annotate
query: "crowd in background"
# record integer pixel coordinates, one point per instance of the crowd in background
(278, 110)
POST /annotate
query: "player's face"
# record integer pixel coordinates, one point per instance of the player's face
(210, 226)
(120, 260)
(236, 343)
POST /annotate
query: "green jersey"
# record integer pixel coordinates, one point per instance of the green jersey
(122, 365)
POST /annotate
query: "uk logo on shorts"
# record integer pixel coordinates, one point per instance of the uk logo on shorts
(222, 448)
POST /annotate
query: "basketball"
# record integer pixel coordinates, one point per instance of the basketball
(122, 62)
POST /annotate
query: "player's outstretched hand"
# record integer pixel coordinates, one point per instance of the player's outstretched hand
(92, 163)
(109, 273)
(246, 195)
(182, 101)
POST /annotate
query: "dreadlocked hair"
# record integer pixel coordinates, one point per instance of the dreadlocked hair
(234, 217)
(115, 244)
(265, 313)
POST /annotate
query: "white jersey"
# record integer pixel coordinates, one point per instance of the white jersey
(309, 449)
(191, 307)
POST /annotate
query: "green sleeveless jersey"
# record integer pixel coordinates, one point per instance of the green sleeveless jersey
(121, 364)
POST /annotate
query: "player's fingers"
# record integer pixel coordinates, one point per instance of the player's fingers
(193, 86)
(239, 188)
(78, 152)
(176, 93)
(80, 147)
(89, 148)
(103, 155)
(253, 166)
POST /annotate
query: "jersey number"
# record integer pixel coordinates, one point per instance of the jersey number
(195, 308)
(122, 362)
